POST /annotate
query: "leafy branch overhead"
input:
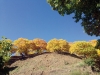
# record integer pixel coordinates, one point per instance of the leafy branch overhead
(85, 10)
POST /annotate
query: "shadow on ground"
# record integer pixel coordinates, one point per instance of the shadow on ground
(6, 70)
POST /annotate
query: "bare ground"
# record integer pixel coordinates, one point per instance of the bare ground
(52, 64)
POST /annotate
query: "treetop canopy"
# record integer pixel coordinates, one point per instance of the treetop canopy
(85, 10)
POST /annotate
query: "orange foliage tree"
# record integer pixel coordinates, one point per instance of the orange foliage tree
(32, 47)
(23, 45)
(40, 44)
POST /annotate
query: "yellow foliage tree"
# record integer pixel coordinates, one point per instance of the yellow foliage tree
(22, 45)
(56, 45)
(32, 47)
(82, 48)
(93, 42)
(98, 52)
(53, 45)
(40, 44)
(64, 45)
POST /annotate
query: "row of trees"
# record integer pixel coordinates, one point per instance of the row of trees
(90, 49)
(23, 45)
(26, 46)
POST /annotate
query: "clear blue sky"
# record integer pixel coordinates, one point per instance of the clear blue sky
(35, 19)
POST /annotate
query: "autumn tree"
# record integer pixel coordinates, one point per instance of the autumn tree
(88, 11)
(56, 45)
(64, 45)
(22, 45)
(93, 42)
(53, 45)
(32, 47)
(40, 45)
(83, 48)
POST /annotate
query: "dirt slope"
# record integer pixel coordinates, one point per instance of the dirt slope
(51, 64)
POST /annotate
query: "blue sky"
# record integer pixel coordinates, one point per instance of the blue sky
(35, 19)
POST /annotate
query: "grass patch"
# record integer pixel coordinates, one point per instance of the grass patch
(81, 64)
(79, 73)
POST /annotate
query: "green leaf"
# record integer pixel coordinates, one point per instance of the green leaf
(98, 5)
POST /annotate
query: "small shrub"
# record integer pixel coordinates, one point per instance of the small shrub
(81, 64)
(93, 63)
(5, 46)
(90, 61)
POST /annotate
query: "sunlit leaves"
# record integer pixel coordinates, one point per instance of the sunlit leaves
(32, 47)
(98, 52)
(53, 45)
(26, 46)
(56, 45)
(40, 44)
(82, 48)
(5, 46)
(93, 43)
(22, 45)
(64, 45)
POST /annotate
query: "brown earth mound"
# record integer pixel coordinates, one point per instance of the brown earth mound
(51, 64)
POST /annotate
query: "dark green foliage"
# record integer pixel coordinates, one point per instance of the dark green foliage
(98, 44)
(88, 11)
(94, 63)
(89, 61)
(1, 62)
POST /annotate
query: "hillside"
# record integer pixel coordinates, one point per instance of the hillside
(51, 64)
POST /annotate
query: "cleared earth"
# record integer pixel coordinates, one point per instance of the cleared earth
(51, 64)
